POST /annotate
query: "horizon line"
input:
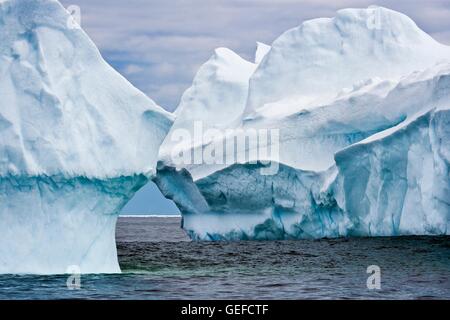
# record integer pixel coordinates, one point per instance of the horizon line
(150, 215)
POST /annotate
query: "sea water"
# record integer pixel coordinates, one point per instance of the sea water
(159, 262)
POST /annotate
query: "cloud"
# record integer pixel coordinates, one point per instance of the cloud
(133, 69)
(159, 44)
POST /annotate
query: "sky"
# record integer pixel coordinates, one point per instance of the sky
(158, 45)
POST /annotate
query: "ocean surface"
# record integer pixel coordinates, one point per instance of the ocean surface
(159, 262)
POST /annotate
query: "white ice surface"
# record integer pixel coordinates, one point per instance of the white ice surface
(311, 63)
(261, 51)
(216, 99)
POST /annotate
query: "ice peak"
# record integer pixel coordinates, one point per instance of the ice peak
(218, 93)
(379, 19)
(224, 53)
(226, 65)
(261, 50)
(315, 59)
(55, 84)
(227, 57)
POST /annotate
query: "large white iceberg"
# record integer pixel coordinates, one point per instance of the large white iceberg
(77, 141)
(361, 102)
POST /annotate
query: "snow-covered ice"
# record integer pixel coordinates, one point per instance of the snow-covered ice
(77, 141)
(313, 62)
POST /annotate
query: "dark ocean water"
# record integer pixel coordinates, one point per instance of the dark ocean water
(159, 262)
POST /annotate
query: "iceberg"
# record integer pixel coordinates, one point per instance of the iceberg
(407, 189)
(361, 103)
(261, 51)
(313, 62)
(225, 69)
(77, 141)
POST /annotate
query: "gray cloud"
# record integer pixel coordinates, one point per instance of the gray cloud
(159, 44)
